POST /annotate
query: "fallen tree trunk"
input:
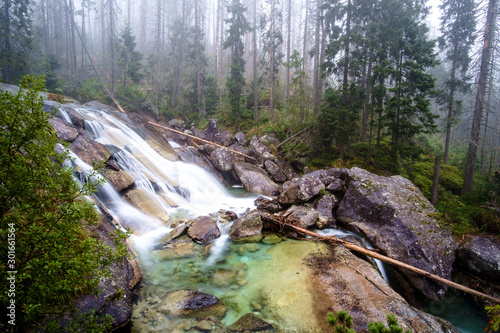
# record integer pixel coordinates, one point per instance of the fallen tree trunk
(336, 241)
(196, 138)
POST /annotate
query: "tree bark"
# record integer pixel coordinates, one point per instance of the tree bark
(435, 182)
(479, 103)
(254, 58)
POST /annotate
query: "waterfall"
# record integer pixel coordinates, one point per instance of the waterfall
(175, 188)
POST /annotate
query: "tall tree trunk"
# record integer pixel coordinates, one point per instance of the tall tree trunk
(271, 65)
(479, 104)
(180, 54)
(449, 118)
(199, 93)
(112, 53)
(304, 63)
(341, 144)
(368, 87)
(254, 58)
(83, 35)
(315, 102)
(144, 25)
(286, 91)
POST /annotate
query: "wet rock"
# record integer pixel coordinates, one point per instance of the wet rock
(480, 256)
(302, 216)
(224, 277)
(120, 179)
(89, 151)
(247, 229)
(271, 239)
(50, 106)
(300, 190)
(76, 119)
(229, 215)
(192, 155)
(365, 294)
(203, 230)
(255, 179)
(176, 249)
(176, 233)
(325, 206)
(198, 133)
(222, 159)
(191, 303)
(394, 215)
(116, 291)
(250, 322)
(141, 199)
(63, 131)
(241, 138)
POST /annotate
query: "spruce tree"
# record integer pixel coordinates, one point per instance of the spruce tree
(238, 26)
(458, 24)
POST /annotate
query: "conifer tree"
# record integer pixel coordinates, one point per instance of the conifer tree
(238, 26)
(458, 26)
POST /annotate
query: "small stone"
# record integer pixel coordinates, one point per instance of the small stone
(256, 306)
(253, 247)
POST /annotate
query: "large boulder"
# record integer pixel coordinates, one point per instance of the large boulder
(74, 117)
(89, 151)
(351, 284)
(213, 133)
(257, 149)
(325, 206)
(255, 179)
(394, 215)
(203, 230)
(63, 131)
(300, 190)
(302, 216)
(275, 171)
(481, 256)
(222, 159)
(120, 179)
(116, 291)
(191, 303)
(241, 138)
(247, 228)
(250, 323)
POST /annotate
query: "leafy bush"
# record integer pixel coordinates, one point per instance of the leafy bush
(45, 222)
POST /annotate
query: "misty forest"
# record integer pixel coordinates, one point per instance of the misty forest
(341, 104)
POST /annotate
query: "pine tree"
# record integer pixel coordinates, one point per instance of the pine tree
(128, 58)
(238, 26)
(458, 26)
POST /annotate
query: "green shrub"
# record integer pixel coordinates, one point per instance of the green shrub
(44, 217)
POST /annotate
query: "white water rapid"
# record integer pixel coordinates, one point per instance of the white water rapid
(173, 188)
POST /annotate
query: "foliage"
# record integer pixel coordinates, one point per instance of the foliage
(91, 90)
(378, 327)
(341, 321)
(494, 320)
(44, 215)
(131, 97)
